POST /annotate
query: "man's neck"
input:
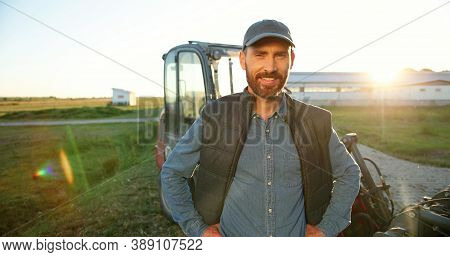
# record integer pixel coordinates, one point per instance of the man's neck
(266, 107)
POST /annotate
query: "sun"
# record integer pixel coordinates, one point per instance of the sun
(383, 78)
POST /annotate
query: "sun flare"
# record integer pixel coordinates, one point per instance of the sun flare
(383, 77)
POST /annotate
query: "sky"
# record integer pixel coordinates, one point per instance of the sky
(37, 61)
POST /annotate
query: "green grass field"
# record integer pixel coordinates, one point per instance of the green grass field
(50, 108)
(419, 134)
(16, 104)
(114, 188)
(98, 112)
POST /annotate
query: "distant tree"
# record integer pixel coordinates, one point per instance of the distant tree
(427, 70)
(408, 70)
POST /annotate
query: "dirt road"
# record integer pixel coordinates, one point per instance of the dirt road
(409, 181)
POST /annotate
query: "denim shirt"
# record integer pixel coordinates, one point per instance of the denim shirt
(266, 196)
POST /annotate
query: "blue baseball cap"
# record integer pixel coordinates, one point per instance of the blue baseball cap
(267, 28)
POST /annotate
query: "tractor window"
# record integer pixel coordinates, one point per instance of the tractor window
(170, 93)
(237, 79)
(192, 89)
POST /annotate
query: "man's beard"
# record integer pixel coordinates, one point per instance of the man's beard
(264, 91)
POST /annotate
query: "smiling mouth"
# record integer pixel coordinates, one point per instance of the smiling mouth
(268, 81)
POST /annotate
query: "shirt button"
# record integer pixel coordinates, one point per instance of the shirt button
(270, 210)
(269, 183)
(268, 156)
(267, 130)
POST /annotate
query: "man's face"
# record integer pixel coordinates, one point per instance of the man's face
(267, 64)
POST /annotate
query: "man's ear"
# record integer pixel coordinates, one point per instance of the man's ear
(242, 60)
(292, 58)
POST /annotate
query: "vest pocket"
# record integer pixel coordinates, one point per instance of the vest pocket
(216, 160)
(208, 195)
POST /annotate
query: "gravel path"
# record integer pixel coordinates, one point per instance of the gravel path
(409, 181)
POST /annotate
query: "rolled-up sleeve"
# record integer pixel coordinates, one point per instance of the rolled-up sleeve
(346, 176)
(175, 173)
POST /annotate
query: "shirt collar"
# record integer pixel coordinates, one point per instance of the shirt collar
(282, 108)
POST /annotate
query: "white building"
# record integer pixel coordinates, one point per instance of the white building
(123, 97)
(356, 88)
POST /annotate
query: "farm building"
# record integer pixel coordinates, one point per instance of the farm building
(123, 97)
(357, 88)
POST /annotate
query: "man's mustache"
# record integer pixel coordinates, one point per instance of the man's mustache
(274, 75)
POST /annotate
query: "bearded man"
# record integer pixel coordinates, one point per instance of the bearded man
(269, 165)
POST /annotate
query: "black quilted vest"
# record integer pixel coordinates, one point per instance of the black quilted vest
(225, 125)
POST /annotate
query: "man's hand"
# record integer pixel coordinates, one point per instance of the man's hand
(313, 231)
(212, 231)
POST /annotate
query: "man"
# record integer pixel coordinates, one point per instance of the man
(268, 165)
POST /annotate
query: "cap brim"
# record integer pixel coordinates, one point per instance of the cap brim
(264, 35)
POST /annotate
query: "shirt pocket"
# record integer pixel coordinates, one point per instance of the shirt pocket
(290, 174)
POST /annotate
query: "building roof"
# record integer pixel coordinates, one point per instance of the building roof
(414, 78)
(298, 79)
(328, 77)
(119, 89)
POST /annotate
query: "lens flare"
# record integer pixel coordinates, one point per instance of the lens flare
(65, 164)
(77, 163)
(45, 172)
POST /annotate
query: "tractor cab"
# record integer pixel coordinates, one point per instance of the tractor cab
(194, 74)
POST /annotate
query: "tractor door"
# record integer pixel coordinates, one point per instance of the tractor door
(184, 91)
(191, 88)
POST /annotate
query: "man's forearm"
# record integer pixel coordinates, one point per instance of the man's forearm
(338, 214)
(346, 174)
(174, 181)
(179, 200)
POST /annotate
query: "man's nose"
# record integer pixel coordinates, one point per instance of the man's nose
(269, 65)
